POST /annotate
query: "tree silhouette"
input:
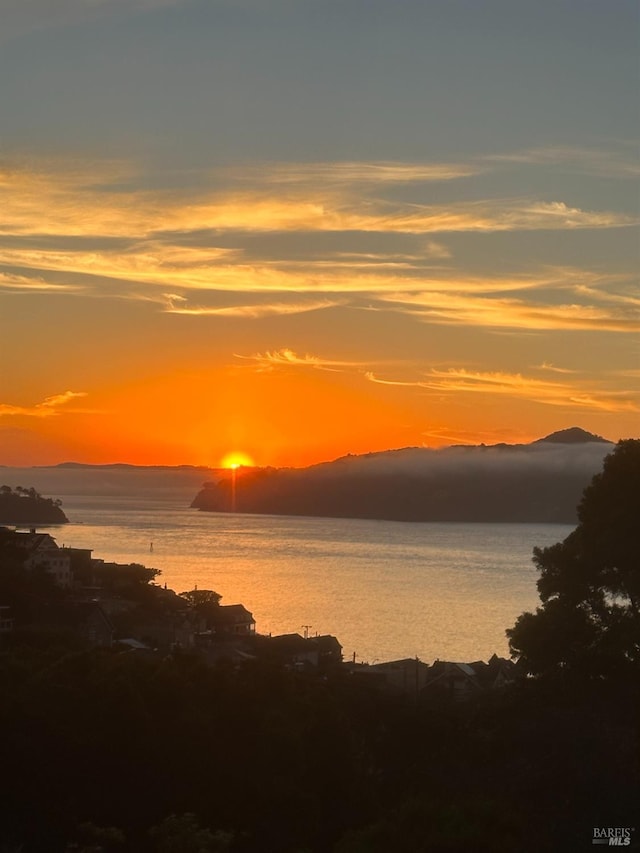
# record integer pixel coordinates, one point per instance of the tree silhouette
(589, 584)
(201, 598)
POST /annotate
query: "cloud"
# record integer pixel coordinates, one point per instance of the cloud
(68, 201)
(613, 163)
(346, 173)
(437, 250)
(371, 376)
(441, 436)
(461, 308)
(176, 304)
(11, 283)
(485, 216)
(462, 381)
(630, 300)
(286, 357)
(552, 368)
(327, 212)
(47, 408)
(91, 228)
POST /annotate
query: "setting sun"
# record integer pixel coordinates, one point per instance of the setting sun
(236, 459)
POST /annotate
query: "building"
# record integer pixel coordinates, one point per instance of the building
(232, 620)
(42, 552)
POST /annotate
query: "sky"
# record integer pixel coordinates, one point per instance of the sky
(298, 229)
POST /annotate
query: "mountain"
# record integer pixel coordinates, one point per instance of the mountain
(573, 435)
(538, 482)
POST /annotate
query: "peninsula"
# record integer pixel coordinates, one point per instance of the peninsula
(27, 507)
(537, 482)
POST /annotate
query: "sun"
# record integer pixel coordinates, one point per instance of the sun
(237, 459)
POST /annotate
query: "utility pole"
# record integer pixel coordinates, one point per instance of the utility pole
(306, 630)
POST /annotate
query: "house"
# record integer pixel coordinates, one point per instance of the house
(232, 620)
(41, 551)
(299, 652)
(293, 650)
(329, 649)
(455, 680)
(497, 673)
(93, 625)
(408, 676)
(165, 631)
(80, 559)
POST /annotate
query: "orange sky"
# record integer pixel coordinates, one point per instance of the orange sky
(290, 416)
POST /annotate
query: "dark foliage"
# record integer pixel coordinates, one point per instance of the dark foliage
(589, 585)
(154, 754)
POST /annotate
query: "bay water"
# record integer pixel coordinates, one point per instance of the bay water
(386, 590)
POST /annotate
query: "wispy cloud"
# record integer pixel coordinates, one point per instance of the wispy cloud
(88, 228)
(345, 173)
(614, 162)
(286, 357)
(47, 408)
(33, 284)
(460, 308)
(552, 368)
(434, 249)
(176, 304)
(345, 212)
(78, 203)
(446, 436)
(576, 395)
(403, 383)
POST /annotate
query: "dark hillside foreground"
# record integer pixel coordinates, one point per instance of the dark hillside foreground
(268, 760)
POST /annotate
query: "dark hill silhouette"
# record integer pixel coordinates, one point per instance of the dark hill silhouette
(573, 435)
(537, 482)
(26, 507)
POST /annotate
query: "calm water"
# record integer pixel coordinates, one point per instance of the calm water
(386, 589)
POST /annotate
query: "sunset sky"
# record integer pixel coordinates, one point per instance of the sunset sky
(297, 229)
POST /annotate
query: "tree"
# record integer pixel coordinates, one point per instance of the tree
(132, 579)
(201, 598)
(589, 584)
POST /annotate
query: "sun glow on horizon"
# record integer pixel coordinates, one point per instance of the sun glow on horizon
(237, 459)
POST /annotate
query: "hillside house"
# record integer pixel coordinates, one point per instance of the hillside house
(92, 624)
(408, 676)
(465, 680)
(497, 673)
(233, 620)
(299, 652)
(41, 551)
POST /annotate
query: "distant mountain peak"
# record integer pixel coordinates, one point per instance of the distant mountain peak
(573, 435)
